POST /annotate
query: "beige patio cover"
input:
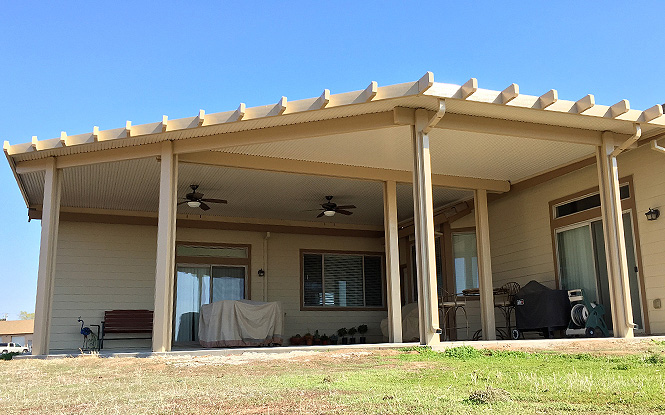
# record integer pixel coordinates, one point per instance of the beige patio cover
(240, 323)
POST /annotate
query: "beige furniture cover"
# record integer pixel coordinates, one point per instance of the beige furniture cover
(241, 323)
(410, 324)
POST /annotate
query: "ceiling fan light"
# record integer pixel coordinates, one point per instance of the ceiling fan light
(193, 203)
(329, 213)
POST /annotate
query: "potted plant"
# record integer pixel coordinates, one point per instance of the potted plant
(308, 338)
(333, 339)
(342, 335)
(362, 329)
(352, 333)
(317, 338)
(296, 340)
(325, 340)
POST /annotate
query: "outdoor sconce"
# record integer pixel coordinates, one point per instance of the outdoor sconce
(652, 214)
(262, 273)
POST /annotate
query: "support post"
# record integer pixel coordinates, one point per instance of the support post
(47, 259)
(165, 266)
(428, 307)
(484, 265)
(392, 262)
(615, 242)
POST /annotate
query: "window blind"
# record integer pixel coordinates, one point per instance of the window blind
(342, 280)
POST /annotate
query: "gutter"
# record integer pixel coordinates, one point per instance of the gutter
(656, 147)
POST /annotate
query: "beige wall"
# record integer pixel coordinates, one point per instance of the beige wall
(521, 242)
(104, 267)
(100, 267)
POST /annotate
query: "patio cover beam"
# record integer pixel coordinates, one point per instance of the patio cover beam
(216, 158)
(47, 259)
(165, 263)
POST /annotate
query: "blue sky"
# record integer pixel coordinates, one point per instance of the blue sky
(70, 66)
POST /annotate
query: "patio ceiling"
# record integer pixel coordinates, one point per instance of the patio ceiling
(133, 185)
(455, 153)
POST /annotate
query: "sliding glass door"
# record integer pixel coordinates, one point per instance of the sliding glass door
(582, 264)
(197, 285)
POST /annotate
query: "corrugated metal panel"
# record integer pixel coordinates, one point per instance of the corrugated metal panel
(388, 148)
(34, 187)
(453, 152)
(125, 185)
(499, 157)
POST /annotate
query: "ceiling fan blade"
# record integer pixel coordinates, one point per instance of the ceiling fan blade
(319, 215)
(346, 207)
(183, 202)
(204, 206)
(214, 200)
(344, 212)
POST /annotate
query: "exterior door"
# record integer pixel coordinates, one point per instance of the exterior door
(197, 285)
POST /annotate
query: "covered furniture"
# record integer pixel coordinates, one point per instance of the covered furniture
(410, 328)
(241, 323)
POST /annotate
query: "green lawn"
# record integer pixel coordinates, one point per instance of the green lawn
(415, 381)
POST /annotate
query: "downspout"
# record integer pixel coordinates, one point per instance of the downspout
(629, 142)
(265, 266)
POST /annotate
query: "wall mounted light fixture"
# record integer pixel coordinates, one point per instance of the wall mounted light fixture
(261, 273)
(652, 214)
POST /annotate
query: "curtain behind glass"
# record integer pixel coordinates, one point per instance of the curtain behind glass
(465, 253)
(228, 283)
(192, 290)
(576, 261)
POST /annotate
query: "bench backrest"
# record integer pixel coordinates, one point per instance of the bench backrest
(128, 321)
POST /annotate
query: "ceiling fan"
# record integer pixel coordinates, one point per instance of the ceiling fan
(195, 199)
(330, 208)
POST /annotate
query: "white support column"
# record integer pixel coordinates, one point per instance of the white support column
(165, 267)
(392, 262)
(428, 307)
(47, 259)
(484, 265)
(615, 242)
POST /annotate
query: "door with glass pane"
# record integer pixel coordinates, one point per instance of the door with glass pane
(197, 285)
(582, 264)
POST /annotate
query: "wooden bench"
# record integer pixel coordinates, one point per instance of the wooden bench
(126, 322)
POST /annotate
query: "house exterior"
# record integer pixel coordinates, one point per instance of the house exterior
(450, 187)
(17, 331)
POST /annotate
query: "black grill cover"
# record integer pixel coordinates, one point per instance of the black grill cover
(538, 307)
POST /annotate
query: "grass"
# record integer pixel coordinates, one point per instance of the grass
(409, 381)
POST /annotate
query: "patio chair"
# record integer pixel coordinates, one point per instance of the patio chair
(451, 303)
(506, 303)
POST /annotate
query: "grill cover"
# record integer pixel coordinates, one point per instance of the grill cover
(538, 307)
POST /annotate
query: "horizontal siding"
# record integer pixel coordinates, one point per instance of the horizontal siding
(100, 267)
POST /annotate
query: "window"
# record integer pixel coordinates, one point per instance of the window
(586, 203)
(342, 280)
(465, 261)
